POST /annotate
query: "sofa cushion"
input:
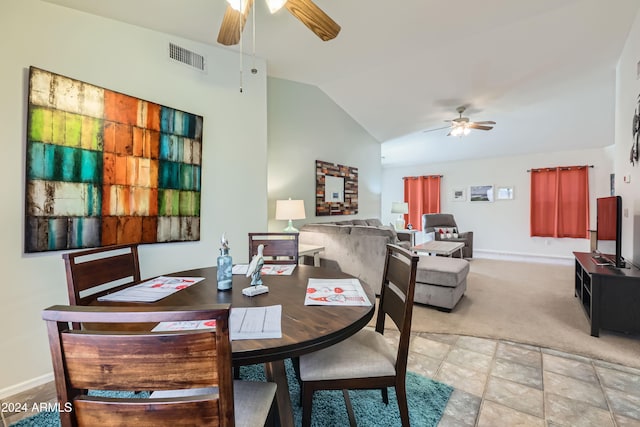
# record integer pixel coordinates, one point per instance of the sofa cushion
(443, 271)
(447, 232)
(374, 222)
(358, 250)
(367, 230)
(391, 230)
(359, 222)
(327, 228)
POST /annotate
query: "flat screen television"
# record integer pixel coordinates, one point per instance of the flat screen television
(609, 229)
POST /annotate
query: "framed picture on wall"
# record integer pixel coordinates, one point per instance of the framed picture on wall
(481, 193)
(106, 168)
(336, 189)
(504, 193)
(458, 195)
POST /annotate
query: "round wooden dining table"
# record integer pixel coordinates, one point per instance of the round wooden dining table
(305, 328)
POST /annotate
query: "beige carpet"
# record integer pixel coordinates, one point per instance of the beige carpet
(529, 303)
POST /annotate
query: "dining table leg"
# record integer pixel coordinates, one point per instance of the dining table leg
(275, 372)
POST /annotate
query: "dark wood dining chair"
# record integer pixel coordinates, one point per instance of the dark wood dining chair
(279, 248)
(366, 360)
(187, 371)
(96, 272)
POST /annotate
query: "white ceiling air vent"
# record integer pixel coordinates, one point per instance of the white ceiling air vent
(187, 57)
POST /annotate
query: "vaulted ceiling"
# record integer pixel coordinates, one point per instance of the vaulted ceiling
(544, 70)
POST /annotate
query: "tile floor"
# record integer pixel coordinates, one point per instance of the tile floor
(501, 383)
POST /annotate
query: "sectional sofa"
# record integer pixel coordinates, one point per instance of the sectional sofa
(356, 247)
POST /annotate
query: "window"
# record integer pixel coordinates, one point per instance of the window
(560, 202)
(422, 193)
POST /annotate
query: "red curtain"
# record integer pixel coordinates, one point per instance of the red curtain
(560, 202)
(422, 193)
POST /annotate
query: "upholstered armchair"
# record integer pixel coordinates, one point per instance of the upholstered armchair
(435, 223)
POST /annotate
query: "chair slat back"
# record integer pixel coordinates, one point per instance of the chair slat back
(161, 357)
(96, 272)
(396, 298)
(398, 273)
(98, 412)
(279, 248)
(115, 359)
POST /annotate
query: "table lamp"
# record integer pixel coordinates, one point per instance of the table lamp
(399, 208)
(290, 210)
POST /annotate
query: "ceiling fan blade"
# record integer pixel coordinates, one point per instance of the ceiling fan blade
(314, 18)
(477, 126)
(490, 122)
(431, 130)
(233, 24)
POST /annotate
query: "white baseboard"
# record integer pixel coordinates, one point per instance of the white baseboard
(26, 385)
(510, 256)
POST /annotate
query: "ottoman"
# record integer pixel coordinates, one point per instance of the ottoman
(440, 281)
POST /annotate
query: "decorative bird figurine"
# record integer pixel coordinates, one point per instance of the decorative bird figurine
(255, 267)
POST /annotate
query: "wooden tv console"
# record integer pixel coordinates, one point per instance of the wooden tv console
(610, 296)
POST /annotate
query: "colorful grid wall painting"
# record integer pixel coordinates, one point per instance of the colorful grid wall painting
(104, 168)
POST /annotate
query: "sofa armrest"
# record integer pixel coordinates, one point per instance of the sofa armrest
(468, 237)
(404, 244)
(404, 237)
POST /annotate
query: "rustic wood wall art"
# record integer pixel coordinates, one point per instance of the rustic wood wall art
(336, 189)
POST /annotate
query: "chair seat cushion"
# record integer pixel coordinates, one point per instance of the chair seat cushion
(365, 354)
(252, 400)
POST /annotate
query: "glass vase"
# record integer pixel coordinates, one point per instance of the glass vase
(225, 270)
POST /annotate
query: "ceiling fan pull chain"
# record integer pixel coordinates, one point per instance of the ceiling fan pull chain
(254, 70)
(241, 43)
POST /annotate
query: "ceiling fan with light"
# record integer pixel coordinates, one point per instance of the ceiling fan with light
(306, 11)
(461, 126)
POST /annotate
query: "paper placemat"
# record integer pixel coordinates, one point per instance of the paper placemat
(152, 290)
(335, 292)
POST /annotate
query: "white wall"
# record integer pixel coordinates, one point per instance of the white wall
(305, 125)
(133, 61)
(502, 227)
(627, 92)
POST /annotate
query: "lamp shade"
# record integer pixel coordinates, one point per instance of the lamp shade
(290, 209)
(399, 207)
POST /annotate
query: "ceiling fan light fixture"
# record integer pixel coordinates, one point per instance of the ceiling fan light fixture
(305, 11)
(239, 5)
(456, 131)
(461, 126)
(275, 5)
(460, 131)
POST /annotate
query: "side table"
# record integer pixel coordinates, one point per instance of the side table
(311, 250)
(410, 234)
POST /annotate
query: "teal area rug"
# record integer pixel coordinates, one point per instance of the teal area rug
(427, 400)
